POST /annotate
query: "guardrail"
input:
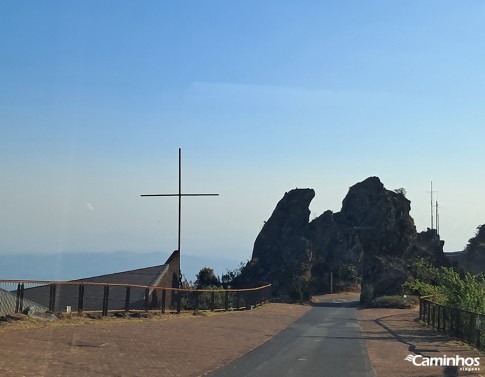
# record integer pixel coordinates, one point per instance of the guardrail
(89, 297)
(464, 325)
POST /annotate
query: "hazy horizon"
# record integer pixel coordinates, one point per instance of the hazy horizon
(79, 265)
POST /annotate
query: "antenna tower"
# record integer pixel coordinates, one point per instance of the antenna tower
(431, 203)
(437, 220)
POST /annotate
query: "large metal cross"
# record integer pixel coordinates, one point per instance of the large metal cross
(180, 197)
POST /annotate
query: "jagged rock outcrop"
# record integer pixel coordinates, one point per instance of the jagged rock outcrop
(372, 239)
(282, 254)
(428, 245)
(472, 258)
(375, 235)
(385, 231)
(337, 253)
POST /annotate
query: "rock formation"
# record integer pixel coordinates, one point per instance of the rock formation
(385, 232)
(371, 239)
(282, 254)
(472, 258)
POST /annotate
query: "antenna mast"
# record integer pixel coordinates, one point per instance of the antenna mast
(431, 204)
(431, 192)
(437, 220)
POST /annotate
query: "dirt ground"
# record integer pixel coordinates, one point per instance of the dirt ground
(188, 345)
(170, 345)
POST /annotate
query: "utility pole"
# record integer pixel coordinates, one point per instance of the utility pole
(431, 192)
(431, 203)
(437, 220)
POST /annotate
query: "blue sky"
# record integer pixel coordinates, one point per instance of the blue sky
(262, 96)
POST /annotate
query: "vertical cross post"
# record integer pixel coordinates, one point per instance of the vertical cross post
(179, 195)
(180, 199)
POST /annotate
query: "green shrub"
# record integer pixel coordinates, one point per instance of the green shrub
(447, 286)
(398, 302)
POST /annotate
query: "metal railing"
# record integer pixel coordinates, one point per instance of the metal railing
(91, 297)
(464, 325)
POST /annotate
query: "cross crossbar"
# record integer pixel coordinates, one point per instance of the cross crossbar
(179, 195)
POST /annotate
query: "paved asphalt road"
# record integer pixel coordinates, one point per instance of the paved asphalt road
(325, 342)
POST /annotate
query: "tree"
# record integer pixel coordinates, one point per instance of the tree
(206, 278)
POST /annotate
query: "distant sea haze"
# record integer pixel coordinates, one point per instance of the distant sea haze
(72, 266)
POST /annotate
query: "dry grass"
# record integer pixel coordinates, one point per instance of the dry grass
(25, 322)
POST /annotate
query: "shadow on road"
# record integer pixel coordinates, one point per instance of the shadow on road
(418, 336)
(422, 336)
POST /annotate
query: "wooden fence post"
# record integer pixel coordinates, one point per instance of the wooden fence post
(105, 300)
(445, 314)
(439, 318)
(179, 301)
(52, 297)
(471, 327)
(196, 301)
(226, 301)
(80, 299)
(248, 299)
(458, 323)
(21, 298)
(154, 299)
(127, 299)
(147, 298)
(479, 331)
(213, 301)
(19, 302)
(164, 297)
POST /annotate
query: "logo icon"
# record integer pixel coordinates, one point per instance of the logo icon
(411, 358)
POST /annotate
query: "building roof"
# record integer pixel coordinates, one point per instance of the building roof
(8, 303)
(67, 295)
(141, 276)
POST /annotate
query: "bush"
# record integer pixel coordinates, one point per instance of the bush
(447, 286)
(398, 302)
